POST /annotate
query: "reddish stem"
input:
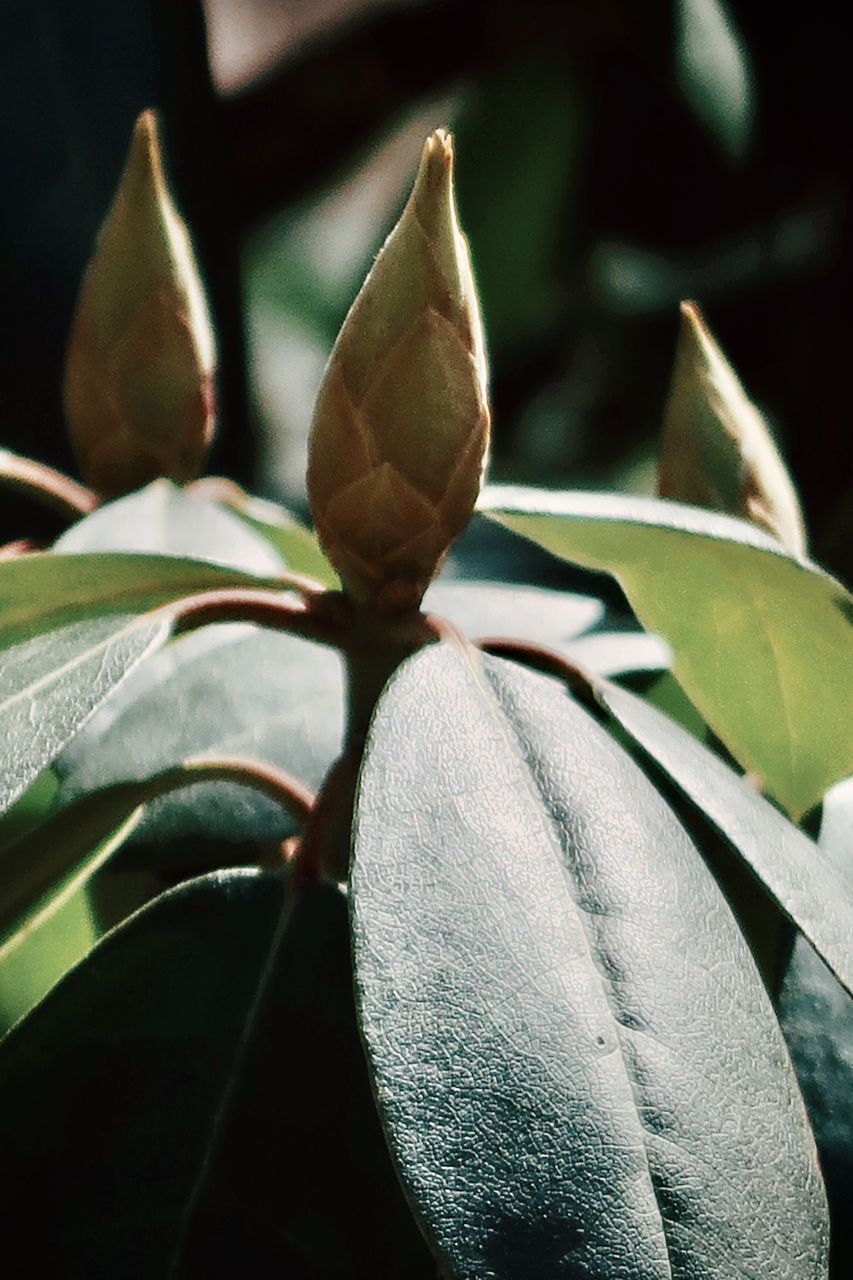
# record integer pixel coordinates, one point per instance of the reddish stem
(320, 616)
(45, 484)
(549, 661)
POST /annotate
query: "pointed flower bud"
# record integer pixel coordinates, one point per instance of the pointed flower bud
(401, 427)
(717, 449)
(138, 389)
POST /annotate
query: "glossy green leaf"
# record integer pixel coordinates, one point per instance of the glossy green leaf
(44, 591)
(762, 642)
(163, 519)
(231, 690)
(796, 872)
(192, 1101)
(51, 685)
(576, 1063)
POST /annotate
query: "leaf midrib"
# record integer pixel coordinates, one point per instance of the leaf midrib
(514, 744)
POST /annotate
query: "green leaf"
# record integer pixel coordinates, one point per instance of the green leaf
(44, 870)
(192, 1100)
(481, 609)
(836, 827)
(51, 685)
(231, 690)
(44, 591)
(298, 546)
(816, 1015)
(29, 971)
(557, 619)
(612, 653)
(29, 809)
(576, 1063)
(762, 642)
(163, 519)
(795, 871)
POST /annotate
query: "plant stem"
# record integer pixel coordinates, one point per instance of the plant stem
(46, 485)
(549, 661)
(320, 615)
(30, 868)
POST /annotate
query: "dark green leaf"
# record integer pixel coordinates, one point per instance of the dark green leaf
(165, 520)
(578, 1068)
(795, 871)
(762, 642)
(191, 1101)
(229, 690)
(52, 684)
(817, 1019)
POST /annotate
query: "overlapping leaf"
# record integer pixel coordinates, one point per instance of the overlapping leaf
(42, 592)
(796, 872)
(298, 546)
(817, 1018)
(231, 690)
(762, 642)
(163, 519)
(191, 1100)
(52, 684)
(577, 1065)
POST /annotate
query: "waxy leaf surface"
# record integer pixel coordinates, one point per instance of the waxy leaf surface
(162, 519)
(191, 1100)
(230, 690)
(762, 642)
(577, 1066)
(816, 1014)
(815, 895)
(52, 684)
(298, 546)
(494, 609)
(45, 591)
(558, 620)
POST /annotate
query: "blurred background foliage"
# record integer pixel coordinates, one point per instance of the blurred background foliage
(613, 158)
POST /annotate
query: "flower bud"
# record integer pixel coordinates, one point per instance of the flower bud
(139, 389)
(401, 426)
(717, 449)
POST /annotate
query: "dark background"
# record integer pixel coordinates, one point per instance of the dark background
(612, 159)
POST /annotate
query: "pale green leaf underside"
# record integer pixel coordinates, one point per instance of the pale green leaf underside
(762, 642)
(45, 591)
(163, 519)
(51, 685)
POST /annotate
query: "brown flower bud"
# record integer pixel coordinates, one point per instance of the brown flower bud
(717, 449)
(138, 389)
(401, 427)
